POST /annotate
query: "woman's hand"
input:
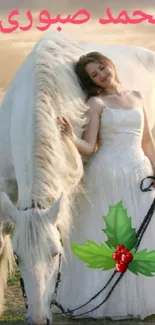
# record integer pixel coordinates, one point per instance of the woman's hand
(65, 127)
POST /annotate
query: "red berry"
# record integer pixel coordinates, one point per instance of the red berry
(117, 256)
(121, 267)
(124, 251)
(127, 258)
(119, 247)
(114, 256)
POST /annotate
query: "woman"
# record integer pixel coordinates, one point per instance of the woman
(125, 155)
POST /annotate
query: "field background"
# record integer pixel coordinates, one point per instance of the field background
(14, 48)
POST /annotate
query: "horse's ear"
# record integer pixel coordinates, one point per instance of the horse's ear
(7, 209)
(52, 212)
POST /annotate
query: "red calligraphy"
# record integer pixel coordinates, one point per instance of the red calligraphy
(47, 20)
(12, 22)
(30, 18)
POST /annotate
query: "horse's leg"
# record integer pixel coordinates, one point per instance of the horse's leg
(6, 254)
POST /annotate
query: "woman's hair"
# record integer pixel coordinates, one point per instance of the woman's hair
(86, 83)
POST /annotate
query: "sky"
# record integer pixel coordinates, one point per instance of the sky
(95, 6)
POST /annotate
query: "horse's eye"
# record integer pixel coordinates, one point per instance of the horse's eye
(54, 254)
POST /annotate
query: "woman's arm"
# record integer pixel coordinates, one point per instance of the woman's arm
(87, 144)
(148, 143)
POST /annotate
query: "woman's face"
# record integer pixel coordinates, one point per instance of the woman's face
(101, 74)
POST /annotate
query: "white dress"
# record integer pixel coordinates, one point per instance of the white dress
(113, 174)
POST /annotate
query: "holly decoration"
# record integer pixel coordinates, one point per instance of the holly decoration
(118, 251)
(118, 227)
(123, 257)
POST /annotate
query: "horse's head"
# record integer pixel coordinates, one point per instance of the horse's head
(38, 246)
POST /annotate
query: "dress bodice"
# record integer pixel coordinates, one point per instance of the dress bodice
(116, 121)
(120, 134)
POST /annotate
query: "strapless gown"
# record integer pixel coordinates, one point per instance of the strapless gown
(114, 173)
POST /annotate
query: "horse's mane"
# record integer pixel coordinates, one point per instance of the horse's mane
(57, 164)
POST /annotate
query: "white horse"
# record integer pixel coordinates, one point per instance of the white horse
(37, 165)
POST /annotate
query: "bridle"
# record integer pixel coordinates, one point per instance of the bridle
(139, 236)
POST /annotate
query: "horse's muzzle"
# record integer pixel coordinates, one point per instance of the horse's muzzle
(45, 321)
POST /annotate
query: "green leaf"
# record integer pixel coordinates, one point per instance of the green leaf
(96, 256)
(143, 263)
(118, 227)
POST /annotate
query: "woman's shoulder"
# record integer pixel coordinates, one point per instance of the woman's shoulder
(96, 103)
